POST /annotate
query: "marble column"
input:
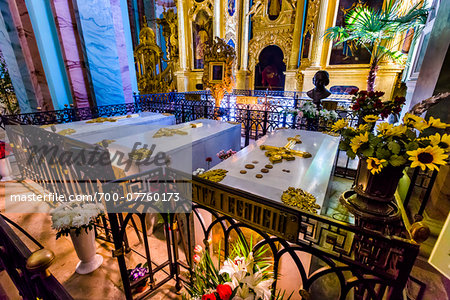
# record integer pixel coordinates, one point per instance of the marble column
(297, 36)
(182, 74)
(29, 61)
(71, 51)
(242, 75)
(124, 47)
(318, 40)
(15, 61)
(98, 35)
(49, 50)
(218, 19)
(244, 36)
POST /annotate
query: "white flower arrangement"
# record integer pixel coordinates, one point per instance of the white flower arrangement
(249, 284)
(198, 171)
(246, 277)
(309, 110)
(75, 216)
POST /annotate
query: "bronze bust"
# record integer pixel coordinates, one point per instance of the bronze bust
(320, 80)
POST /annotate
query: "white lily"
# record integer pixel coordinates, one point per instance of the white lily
(243, 293)
(236, 269)
(256, 283)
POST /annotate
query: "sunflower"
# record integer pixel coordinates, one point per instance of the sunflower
(340, 124)
(436, 123)
(371, 118)
(428, 157)
(442, 142)
(384, 127)
(358, 140)
(375, 165)
(421, 125)
(396, 130)
(363, 127)
(410, 119)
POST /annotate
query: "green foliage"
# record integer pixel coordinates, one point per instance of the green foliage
(8, 101)
(205, 276)
(389, 144)
(376, 30)
(78, 230)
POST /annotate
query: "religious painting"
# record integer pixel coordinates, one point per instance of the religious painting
(216, 71)
(231, 7)
(306, 45)
(348, 53)
(202, 33)
(274, 9)
(269, 72)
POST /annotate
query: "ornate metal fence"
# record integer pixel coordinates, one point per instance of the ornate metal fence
(348, 259)
(13, 258)
(365, 264)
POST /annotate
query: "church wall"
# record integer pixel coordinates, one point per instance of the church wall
(62, 52)
(12, 53)
(298, 31)
(29, 76)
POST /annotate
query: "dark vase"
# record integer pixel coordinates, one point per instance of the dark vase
(312, 124)
(378, 187)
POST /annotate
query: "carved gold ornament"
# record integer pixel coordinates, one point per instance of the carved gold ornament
(169, 24)
(277, 154)
(140, 154)
(268, 32)
(67, 131)
(219, 52)
(47, 126)
(163, 132)
(148, 57)
(103, 142)
(300, 199)
(214, 175)
(102, 120)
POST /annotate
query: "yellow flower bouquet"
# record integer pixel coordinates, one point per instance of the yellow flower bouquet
(399, 145)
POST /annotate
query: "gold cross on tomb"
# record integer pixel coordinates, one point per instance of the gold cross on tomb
(277, 154)
(172, 131)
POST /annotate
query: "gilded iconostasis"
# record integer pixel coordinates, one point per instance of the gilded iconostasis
(279, 44)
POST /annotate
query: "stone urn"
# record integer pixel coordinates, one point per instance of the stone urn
(372, 197)
(84, 244)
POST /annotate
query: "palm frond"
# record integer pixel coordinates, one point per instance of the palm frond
(336, 33)
(396, 56)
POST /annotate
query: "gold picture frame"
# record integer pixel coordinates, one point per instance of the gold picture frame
(216, 72)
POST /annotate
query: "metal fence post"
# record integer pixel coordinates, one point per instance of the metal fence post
(247, 126)
(294, 120)
(284, 119)
(183, 117)
(265, 122)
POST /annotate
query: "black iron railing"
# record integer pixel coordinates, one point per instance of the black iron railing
(353, 261)
(367, 264)
(13, 258)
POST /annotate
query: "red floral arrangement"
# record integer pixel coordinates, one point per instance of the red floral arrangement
(369, 103)
(224, 292)
(5, 150)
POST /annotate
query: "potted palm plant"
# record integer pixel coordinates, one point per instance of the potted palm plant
(376, 31)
